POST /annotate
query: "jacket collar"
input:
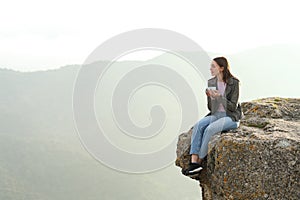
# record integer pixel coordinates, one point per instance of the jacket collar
(229, 85)
(229, 82)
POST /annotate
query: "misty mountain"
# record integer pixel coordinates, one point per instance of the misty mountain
(268, 71)
(41, 156)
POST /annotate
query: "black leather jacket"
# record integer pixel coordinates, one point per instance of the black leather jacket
(229, 99)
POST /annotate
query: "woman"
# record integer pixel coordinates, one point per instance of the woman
(225, 112)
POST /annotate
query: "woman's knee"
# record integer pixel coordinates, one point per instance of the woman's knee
(210, 130)
(201, 123)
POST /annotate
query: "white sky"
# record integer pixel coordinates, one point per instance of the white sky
(38, 35)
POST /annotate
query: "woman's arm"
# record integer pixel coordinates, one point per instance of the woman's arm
(209, 103)
(208, 100)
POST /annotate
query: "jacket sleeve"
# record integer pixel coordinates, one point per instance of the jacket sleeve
(230, 102)
(209, 103)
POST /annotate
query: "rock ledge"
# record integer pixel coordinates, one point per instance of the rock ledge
(259, 160)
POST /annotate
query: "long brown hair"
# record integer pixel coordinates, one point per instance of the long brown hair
(222, 62)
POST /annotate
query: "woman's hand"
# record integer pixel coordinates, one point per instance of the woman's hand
(207, 92)
(213, 93)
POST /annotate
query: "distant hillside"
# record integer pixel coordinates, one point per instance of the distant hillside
(268, 71)
(41, 156)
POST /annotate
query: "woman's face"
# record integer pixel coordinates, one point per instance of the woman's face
(215, 69)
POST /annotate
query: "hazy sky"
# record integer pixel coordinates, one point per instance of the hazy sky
(37, 35)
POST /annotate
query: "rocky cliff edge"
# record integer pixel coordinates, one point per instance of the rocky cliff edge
(259, 160)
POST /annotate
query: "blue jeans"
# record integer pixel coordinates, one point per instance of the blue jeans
(207, 127)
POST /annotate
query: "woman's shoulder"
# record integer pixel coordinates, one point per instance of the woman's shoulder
(212, 80)
(235, 79)
(231, 80)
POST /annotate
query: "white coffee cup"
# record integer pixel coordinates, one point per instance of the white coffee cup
(211, 88)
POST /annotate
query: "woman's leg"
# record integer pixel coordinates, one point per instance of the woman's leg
(196, 140)
(197, 135)
(224, 123)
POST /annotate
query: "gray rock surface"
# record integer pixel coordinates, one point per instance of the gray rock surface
(259, 160)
